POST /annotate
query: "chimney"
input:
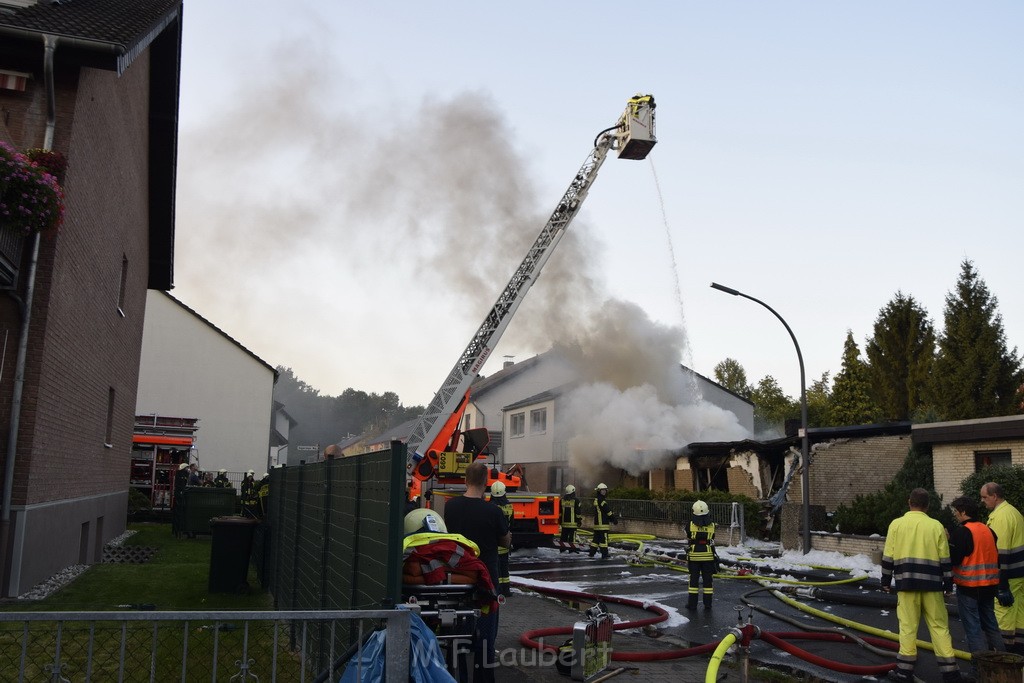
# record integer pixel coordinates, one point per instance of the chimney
(509, 362)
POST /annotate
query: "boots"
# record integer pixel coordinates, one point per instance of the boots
(952, 677)
(691, 603)
(604, 553)
(707, 602)
(900, 675)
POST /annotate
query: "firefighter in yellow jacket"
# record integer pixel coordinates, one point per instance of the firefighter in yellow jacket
(602, 517)
(499, 498)
(569, 520)
(700, 555)
(916, 563)
(1008, 525)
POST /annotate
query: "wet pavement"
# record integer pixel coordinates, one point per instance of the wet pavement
(652, 651)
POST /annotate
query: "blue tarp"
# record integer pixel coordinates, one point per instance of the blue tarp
(426, 663)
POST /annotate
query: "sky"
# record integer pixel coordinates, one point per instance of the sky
(358, 181)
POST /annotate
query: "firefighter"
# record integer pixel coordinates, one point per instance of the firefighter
(700, 555)
(222, 481)
(178, 508)
(916, 563)
(569, 520)
(1008, 524)
(250, 496)
(498, 498)
(602, 517)
(262, 491)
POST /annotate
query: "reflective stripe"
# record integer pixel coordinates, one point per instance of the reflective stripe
(702, 541)
(981, 567)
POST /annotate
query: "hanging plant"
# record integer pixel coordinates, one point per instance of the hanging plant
(31, 199)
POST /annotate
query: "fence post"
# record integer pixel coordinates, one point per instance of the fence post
(397, 651)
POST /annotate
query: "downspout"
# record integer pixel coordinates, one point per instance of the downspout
(14, 558)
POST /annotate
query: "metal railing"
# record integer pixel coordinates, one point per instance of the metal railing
(242, 647)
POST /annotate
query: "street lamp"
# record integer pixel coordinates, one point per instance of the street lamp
(804, 457)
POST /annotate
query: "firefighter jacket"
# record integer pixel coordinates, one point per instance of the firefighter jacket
(602, 515)
(508, 511)
(916, 554)
(570, 511)
(701, 547)
(432, 559)
(980, 566)
(1008, 524)
(249, 495)
(222, 482)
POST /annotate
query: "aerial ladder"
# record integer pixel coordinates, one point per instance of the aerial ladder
(433, 445)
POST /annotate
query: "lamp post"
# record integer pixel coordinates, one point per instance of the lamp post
(804, 450)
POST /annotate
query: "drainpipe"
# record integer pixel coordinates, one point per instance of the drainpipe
(14, 558)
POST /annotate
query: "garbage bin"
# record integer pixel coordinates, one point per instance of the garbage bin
(998, 667)
(229, 553)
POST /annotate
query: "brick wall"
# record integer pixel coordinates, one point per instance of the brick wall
(71, 479)
(953, 462)
(845, 468)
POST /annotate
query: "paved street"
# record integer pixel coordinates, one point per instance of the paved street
(735, 602)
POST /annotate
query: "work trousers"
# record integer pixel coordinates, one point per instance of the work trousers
(910, 606)
(1011, 619)
(701, 571)
(567, 536)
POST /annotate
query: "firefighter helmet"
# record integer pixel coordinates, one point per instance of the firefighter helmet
(570, 489)
(700, 508)
(183, 466)
(497, 489)
(425, 520)
(222, 471)
(601, 487)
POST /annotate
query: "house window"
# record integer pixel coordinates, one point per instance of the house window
(123, 286)
(467, 422)
(983, 459)
(517, 424)
(538, 421)
(109, 434)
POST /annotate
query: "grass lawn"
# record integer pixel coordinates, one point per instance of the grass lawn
(175, 578)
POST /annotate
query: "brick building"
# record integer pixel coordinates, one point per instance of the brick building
(98, 82)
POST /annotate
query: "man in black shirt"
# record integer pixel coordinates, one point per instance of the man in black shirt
(484, 524)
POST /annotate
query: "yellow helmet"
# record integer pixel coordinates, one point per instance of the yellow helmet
(700, 508)
(426, 520)
(497, 489)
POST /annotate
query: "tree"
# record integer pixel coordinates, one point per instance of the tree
(900, 357)
(731, 375)
(975, 375)
(771, 406)
(851, 390)
(819, 402)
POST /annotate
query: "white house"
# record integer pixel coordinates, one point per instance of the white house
(190, 368)
(522, 405)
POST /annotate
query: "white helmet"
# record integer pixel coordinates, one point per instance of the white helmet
(250, 472)
(264, 475)
(700, 508)
(497, 489)
(183, 466)
(426, 520)
(570, 489)
(601, 487)
(222, 471)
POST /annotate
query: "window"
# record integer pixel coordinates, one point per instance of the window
(517, 424)
(109, 435)
(984, 459)
(467, 422)
(538, 421)
(124, 285)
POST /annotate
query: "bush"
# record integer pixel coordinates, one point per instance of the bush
(1011, 478)
(137, 502)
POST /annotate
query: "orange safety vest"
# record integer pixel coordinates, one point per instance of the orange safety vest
(981, 567)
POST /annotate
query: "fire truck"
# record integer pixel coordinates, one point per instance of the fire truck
(439, 451)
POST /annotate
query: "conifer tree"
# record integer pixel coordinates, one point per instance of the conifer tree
(975, 375)
(851, 392)
(819, 403)
(900, 357)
